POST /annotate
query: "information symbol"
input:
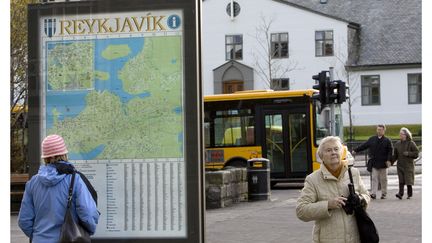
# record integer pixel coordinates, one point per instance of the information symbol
(174, 21)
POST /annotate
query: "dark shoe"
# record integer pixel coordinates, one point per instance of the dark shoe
(409, 197)
(383, 196)
(399, 196)
(373, 196)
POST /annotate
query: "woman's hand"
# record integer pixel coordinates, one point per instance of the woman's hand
(336, 202)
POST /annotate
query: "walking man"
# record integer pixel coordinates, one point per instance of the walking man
(380, 154)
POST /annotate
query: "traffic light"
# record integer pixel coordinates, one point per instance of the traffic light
(337, 92)
(342, 92)
(321, 80)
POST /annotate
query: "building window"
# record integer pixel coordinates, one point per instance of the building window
(280, 84)
(232, 86)
(234, 47)
(370, 90)
(414, 88)
(279, 45)
(324, 43)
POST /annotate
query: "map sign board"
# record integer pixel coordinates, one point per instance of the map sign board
(113, 84)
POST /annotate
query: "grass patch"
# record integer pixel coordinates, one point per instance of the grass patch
(392, 131)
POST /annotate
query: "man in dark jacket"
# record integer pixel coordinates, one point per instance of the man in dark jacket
(380, 154)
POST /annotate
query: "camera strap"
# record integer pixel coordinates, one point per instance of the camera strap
(350, 175)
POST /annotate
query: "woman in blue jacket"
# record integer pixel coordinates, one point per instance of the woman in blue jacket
(45, 197)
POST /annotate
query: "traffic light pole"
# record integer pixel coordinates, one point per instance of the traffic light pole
(332, 119)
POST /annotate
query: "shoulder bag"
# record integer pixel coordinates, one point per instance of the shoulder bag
(366, 227)
(71, 231)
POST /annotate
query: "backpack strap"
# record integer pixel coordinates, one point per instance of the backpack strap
(89, 186)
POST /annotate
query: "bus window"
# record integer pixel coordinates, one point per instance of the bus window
(322, 121)
(233, 129)
(207, 134)
(322, 128)
(338, 119)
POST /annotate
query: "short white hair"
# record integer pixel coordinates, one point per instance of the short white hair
(329, 139)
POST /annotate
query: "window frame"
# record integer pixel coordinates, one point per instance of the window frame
(370, 86)
(233, 45)
(279, 55)
(418, 84)
(323, 44)
(279, 81)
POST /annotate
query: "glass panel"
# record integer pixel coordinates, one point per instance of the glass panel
(274, 142)
(229, 52)
(284, 50)
(338, 120)
(234, 131)
(375, 96)
(239, 52)
(329, 48)
(319, 48)
(319, 35)
(207, 134)
(284, 37)
(276, 50)
(298, 142)
(274, 37)
(329, 35)
(273, 49)
(229, 39)
(238, 39)
(412, 90)
(322, 125)
(365, 96)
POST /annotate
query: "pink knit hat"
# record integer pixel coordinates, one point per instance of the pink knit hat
(53, 145)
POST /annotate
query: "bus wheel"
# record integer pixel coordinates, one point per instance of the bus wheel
(236, 164)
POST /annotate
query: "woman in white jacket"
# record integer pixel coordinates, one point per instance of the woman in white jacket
(325, 193)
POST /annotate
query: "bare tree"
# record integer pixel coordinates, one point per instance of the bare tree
(268, 67)
(349, 77)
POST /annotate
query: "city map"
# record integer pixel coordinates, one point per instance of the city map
(118, 98)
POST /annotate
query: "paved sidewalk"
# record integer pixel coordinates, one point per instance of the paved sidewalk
(275, 221)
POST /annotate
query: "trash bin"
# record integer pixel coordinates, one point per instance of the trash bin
(258, 172)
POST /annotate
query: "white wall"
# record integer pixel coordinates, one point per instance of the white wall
(300, 25)
(394, 107)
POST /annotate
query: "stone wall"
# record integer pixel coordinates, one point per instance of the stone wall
(225, 187)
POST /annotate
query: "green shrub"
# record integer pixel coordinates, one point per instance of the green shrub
(392, 131)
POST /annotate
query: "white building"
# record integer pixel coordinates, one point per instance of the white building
(374, 45)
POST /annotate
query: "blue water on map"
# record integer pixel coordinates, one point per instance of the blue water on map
(178, 110)
(85, 156)
(71, 103)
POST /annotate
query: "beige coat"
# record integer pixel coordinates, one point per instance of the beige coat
(331, 226)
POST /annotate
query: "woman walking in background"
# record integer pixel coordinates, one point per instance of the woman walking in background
(405, 151)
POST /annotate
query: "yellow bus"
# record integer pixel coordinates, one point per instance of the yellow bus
(282, 126)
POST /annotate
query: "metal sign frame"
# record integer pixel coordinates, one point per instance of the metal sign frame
(192, 93)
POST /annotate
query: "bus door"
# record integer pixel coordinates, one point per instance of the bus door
(285, 142)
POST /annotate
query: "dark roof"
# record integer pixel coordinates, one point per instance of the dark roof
(390, 30)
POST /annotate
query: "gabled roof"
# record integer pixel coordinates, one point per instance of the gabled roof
(233, 63)
(390, 30)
